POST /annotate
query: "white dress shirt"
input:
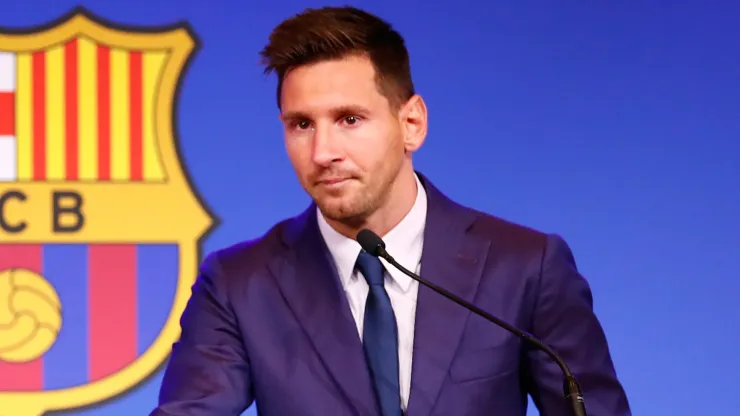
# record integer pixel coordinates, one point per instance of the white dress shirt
(404, 243)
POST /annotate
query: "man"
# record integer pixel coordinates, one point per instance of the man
(302, 322)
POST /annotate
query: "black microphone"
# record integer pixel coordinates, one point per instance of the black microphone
(374, 245)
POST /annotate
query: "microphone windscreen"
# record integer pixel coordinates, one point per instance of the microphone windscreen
(370, 242)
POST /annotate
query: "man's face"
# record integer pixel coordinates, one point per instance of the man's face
(343, 140)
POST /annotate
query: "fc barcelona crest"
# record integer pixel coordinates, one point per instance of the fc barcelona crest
(99, 224)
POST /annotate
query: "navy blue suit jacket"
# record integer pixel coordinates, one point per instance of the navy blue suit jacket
(268, 321)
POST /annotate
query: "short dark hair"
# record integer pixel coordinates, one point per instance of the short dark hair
(333, 33)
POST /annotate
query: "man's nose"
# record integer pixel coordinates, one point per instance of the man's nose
(327, 147)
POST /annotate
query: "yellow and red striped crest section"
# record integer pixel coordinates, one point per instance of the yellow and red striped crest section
(83, 111)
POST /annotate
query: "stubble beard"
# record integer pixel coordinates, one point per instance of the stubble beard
(352, 210)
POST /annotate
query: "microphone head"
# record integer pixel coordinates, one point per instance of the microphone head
(371, 242)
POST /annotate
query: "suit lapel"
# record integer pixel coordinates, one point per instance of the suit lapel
(453, 260)
(311, 287)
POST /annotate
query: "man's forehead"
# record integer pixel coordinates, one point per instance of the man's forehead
(331, 86)
(317, 100)
(327, 79)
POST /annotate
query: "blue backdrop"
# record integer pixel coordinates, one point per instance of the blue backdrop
(614, 125)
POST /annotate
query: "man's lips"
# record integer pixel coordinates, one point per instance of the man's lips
(333, 181)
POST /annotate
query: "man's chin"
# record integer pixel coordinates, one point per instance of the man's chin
(340, 211)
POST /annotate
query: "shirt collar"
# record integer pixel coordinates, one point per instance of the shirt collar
(404, 242)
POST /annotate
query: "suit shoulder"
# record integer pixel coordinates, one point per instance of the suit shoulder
(492, 226)
(509, 236)
(249, 255)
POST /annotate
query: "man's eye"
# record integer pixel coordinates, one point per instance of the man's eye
(351, 120)
(302, 124)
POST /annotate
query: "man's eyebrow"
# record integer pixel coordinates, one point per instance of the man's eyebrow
(351, 109)
(344, 110)
(295, 115)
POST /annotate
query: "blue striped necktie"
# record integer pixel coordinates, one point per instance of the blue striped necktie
(380, 337)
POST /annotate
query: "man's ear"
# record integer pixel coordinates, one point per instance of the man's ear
(413, 118)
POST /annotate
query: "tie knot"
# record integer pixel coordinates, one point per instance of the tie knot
(371, 268)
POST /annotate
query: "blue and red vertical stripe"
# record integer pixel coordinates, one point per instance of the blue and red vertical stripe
(115, 300)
